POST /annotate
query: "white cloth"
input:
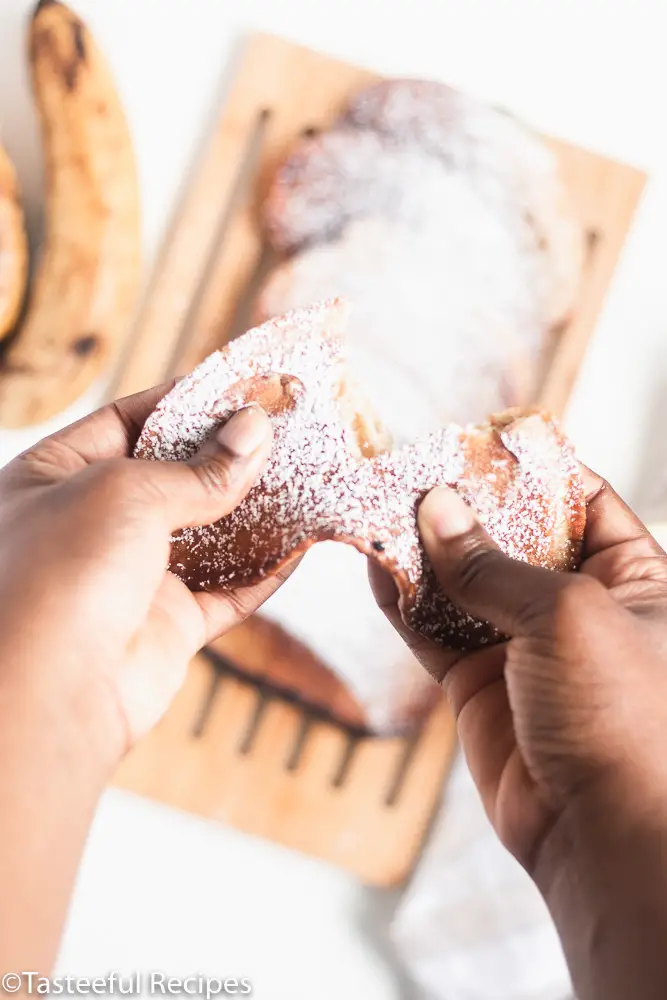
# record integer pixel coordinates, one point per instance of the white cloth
(472, 926)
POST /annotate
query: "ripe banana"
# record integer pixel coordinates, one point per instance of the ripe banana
(87, 280)
(13, 248)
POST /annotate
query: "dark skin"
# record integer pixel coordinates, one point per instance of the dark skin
(96, 634)
(563, 725)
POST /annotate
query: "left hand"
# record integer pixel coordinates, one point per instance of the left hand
(89, 615)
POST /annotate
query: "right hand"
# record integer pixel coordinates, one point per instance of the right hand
(578, 695)
(564, 725)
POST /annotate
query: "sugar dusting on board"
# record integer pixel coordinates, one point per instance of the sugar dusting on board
(509, 165)
(519, 474)
(445, 223)
(456, 335)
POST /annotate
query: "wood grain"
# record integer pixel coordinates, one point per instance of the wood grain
(182, 264)
(261, 763)
(298, 88)
(349, 823)
(605, 196)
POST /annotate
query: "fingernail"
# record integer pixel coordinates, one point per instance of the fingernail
(245, 432)
(444, 513)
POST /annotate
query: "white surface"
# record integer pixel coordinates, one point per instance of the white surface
(165, 891)
(472, 925)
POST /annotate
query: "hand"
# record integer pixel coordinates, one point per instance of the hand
(556, 708)
(96, 634)
(89, 615)
(564, 726)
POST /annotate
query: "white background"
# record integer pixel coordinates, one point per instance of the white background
(160, 890)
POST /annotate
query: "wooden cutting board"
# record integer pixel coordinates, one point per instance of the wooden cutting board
(259, 754)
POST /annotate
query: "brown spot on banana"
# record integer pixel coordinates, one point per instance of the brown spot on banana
(67, 58)
(72, 70)
(85, 345)
(89, 272)
(79, 42)
(17, 369)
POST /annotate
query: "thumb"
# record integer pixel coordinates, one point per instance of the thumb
(475, 574)
(215, 480)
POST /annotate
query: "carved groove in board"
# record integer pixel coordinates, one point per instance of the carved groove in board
(186, 252)
(402, 770)
(209, 287)
(300, 740)
(265, 693)
(350, 752)
(217, 681)
(242, 315)
(258, 713)
(290, 695)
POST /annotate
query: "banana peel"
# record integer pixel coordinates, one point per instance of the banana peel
(87, 281)
(13, 248)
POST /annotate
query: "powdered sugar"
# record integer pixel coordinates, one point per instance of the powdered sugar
(452, 340)
(510, 166)
(445, 223)
(385, 157)
(316, 486)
